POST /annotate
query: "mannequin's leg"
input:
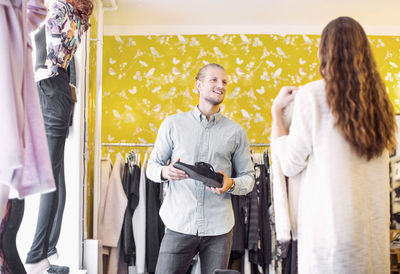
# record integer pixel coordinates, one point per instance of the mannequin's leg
(56, 103)
(55, 231)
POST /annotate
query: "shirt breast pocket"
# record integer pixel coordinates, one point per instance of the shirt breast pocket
(224, 149)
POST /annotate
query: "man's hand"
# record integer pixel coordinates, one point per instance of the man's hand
(173, 174)
(226, 184)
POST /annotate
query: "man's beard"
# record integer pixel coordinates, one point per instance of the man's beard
(214, 102)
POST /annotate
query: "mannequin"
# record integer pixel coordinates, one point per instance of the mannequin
(56, 43)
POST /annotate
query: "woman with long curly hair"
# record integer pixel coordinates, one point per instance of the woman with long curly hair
(56, 44)
(342, 131)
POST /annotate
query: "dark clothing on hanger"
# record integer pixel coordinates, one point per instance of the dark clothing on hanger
(254, 220)
(289, 263)
(240, 205)
(259, 227)
(154, 225)
(130, 183)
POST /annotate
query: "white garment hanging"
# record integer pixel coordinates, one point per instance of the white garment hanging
(114, 211)
(285, 199)
(106, 167)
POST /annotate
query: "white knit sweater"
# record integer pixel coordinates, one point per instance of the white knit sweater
(343, 218)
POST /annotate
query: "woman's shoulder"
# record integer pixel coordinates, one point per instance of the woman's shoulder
(315, 86)
(315, 89)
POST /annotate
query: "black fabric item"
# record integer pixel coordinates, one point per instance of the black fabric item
(4, 268)
(130, 183)
(127, 240)
(9, 236)
(236, 261)
(225, 271)
(259, 243)
(254, 220)
(289, 263)
(154, 225)
(396, 217)
(58, 269)
(240, 210)
(71, 70)
(283, 249)
(254, 269)
(294, 259)
(202, 172)
(265, 203)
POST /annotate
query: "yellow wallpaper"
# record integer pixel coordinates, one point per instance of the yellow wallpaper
(146, 78)
(90, 126)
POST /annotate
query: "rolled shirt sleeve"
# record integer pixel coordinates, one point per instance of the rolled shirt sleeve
(161, 153)
(243, 165)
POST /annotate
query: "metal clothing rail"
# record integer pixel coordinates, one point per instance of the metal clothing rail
(152, 145)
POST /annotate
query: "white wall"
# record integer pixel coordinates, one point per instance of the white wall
(250, 16)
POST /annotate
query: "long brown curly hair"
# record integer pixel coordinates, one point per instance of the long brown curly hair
(355, 92)
(83, 9)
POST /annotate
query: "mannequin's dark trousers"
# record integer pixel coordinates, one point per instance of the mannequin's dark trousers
(56, 103)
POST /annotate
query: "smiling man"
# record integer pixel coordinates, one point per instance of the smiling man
(200, 219)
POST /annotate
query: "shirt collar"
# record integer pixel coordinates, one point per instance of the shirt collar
(199, 116)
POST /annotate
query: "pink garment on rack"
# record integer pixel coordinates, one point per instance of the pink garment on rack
(25, 161)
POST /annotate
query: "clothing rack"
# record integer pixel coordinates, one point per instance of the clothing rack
(152, 145)
(126, 145)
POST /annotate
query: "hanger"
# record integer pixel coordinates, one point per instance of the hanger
(266, 158)
(138, 159)
(131, 158)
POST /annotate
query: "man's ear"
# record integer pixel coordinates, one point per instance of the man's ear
(198, 85)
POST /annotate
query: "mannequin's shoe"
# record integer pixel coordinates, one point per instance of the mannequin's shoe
(202, 172)
(37, 268)
(58, 269)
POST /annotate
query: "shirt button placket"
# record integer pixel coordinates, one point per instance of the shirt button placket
(203, 157)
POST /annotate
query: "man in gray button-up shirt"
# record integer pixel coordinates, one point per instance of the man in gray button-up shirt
(198, 218)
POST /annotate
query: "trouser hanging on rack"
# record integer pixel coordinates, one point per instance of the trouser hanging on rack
(56, 102)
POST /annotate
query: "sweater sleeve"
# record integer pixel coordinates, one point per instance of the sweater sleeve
(294, 149)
